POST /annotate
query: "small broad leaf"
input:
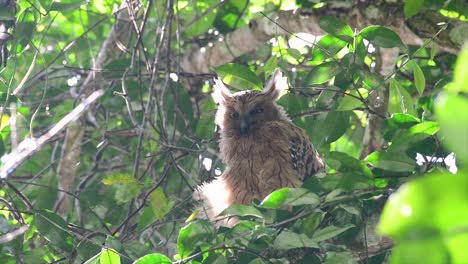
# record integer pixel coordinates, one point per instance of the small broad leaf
(400, 118)
(238, 76)
(109, 256)
(159, 203)
(242, 210)
(400, 100)
(419, 79)
(288, 240)
(336, 27)
(290, 196)
(412, 7)
(381, 36)
(398, 162)
(329, 232)
(154, 258)
(347, 103)
(323, 73)
(193, 235)
(327, 47)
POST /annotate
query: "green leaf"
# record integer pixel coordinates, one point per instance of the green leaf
(290, 196)
(426, 207)
(347, 103)
(54, 229)
(412, 7)
(400, 100)
(293, 56)
(460, 74)
(398, 162)
(340, 258)
(238, 76)
(288, 240)
(413, 135)
(200, 21)
(119, 178)
(193, 235)
(323, 73)
(159, 203)
(109, 256)
(372, 81)
(427, 250)
(242, 210)
(327, 47)
(329, 129)
(329, 232)
(154, 258)
(381, 36)
(400, 118)
(336, 27)
(451, 111)
(419, 79)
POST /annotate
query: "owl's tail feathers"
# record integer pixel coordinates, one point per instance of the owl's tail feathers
(214, 198)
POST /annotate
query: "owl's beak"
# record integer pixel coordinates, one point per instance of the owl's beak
(244, 126)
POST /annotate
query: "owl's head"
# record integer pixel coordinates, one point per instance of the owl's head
(241, 113)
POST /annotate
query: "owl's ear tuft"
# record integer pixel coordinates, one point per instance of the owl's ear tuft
(276, 85)
(221, 93)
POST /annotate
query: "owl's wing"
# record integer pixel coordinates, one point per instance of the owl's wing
(303, 157)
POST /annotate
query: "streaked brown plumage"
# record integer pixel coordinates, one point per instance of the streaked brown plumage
(262, 149)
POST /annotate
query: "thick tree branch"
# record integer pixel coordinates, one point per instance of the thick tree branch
(243, 40)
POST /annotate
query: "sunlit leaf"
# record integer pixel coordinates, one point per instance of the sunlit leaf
(119, 178)
(290, 196)
(242, 210)
(328, 46)
(109, 256)
(336, 27)
(460, 74)
(323, 73)
(419, 79)
(400, 100)
(238, 76)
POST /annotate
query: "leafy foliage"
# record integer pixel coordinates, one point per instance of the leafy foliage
(150, 139)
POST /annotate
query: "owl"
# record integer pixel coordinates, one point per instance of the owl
(260, 146)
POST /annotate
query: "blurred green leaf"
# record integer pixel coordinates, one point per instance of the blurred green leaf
(153, 258)
(381, 36)
(340, 258)
(348, 103)
(159, 203)
(290, 196)
(460, 74)
(414, 134)
(200, 21)
(289, 240)
(412, 7)
(451, 111)
(119, 178)
(426, 208)
(238, 76)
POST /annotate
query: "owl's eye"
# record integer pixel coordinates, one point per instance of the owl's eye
(256, 111)
(234, 115)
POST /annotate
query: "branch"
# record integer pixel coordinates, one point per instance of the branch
(31, 145)
(260, 30)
